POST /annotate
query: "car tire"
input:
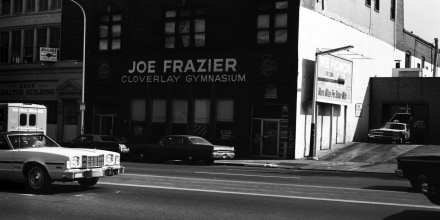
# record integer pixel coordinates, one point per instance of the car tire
(37, 178)
(88, 182)
(417, 181)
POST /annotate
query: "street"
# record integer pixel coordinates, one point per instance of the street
(191, 191)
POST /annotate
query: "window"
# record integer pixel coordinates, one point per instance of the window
(18, 6)
(179, 116)
(41, 38)
(408, 59)
(30, 5)
(4, 46)
(23, 119)
(6, 7)
(225, 118)
(55, 35)
(393, 10)
(28, 46)
(32, 120)
(185, 28)
(16, 46)
(201, 117)
(110, 32)
(3, 144)
(368, 3)
(138, 110)
(376, 5)
(158, 118)
(43, 5)
(56, 4)
(70, 112)
(272, 22)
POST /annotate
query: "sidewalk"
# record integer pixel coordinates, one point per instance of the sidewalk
(352, 157)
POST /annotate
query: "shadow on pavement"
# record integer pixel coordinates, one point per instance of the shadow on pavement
(415, 214)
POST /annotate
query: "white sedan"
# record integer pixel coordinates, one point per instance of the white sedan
(36, 159)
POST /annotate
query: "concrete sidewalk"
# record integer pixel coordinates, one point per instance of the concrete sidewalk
(352, 157)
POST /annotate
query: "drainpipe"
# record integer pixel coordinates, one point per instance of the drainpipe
(435, 57)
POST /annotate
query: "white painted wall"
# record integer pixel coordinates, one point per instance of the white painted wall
(317, 31)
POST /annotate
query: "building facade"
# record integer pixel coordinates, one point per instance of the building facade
(30, 70)
(381, 47)
(224, 70)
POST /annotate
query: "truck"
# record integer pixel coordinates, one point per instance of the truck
(28, 155)
(423, 174)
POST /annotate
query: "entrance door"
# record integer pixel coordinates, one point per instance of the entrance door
(266, 140)
(105, 124)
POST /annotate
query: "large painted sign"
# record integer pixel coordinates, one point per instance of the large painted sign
(203, 70)
(334, 79)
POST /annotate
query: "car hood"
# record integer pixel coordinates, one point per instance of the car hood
(66, 151)
(223, 148)
(386, 129)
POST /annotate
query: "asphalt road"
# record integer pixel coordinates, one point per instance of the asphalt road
(181, 191)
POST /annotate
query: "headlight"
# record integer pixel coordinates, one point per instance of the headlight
(109, 159)
(74, 162)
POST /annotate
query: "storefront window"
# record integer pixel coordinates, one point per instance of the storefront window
(138, 110)
(28, 46)
(179, 116)
(201, 117)
(158, 119)
(4, 46)
(225, 118)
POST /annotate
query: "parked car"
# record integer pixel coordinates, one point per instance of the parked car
(98, 141)
(185, 147)
(423, 174)
(391, 131)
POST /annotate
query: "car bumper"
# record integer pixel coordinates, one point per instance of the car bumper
(93, 172)
(380, 137)
(223, 155)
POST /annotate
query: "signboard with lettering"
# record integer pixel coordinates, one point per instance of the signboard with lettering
(334, 79)
(48, 54)
(201, 70)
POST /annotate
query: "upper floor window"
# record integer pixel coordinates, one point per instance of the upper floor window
(368, 3)
(18, 6)
(185, 28)
(6, 7)
(376, 5)
(28, 56)
(55, 4)
(4, 46)
(272, 22)
(30, 5)
(423, 61)
(393, 10)
(110, 32)
(408, 59)
(55, 35)
(43, 5)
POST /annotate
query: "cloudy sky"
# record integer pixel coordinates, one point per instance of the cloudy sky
(423, 18)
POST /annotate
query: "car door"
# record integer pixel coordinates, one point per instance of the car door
(6, 159)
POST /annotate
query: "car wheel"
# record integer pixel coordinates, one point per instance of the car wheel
(86, 182)
(417, 181)
(37, 178)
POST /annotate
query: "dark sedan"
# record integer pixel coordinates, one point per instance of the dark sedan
(98, 141)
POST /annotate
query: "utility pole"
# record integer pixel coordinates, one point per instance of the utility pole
(435, 57)
(83, 105)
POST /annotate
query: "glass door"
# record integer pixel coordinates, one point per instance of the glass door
(270, 137)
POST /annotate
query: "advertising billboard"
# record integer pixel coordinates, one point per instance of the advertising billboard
(334, 79)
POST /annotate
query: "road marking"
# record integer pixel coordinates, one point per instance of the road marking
(262, 183)
(276, 196)
(236, 174)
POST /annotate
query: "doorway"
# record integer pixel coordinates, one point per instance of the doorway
(266, 138)
(104, 124)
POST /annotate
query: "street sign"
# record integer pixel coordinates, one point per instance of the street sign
(48, 54)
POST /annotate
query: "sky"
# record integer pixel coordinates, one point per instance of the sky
(422, 17)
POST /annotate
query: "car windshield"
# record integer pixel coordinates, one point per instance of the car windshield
(198, 140)
(394, 126)
(31, 141)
